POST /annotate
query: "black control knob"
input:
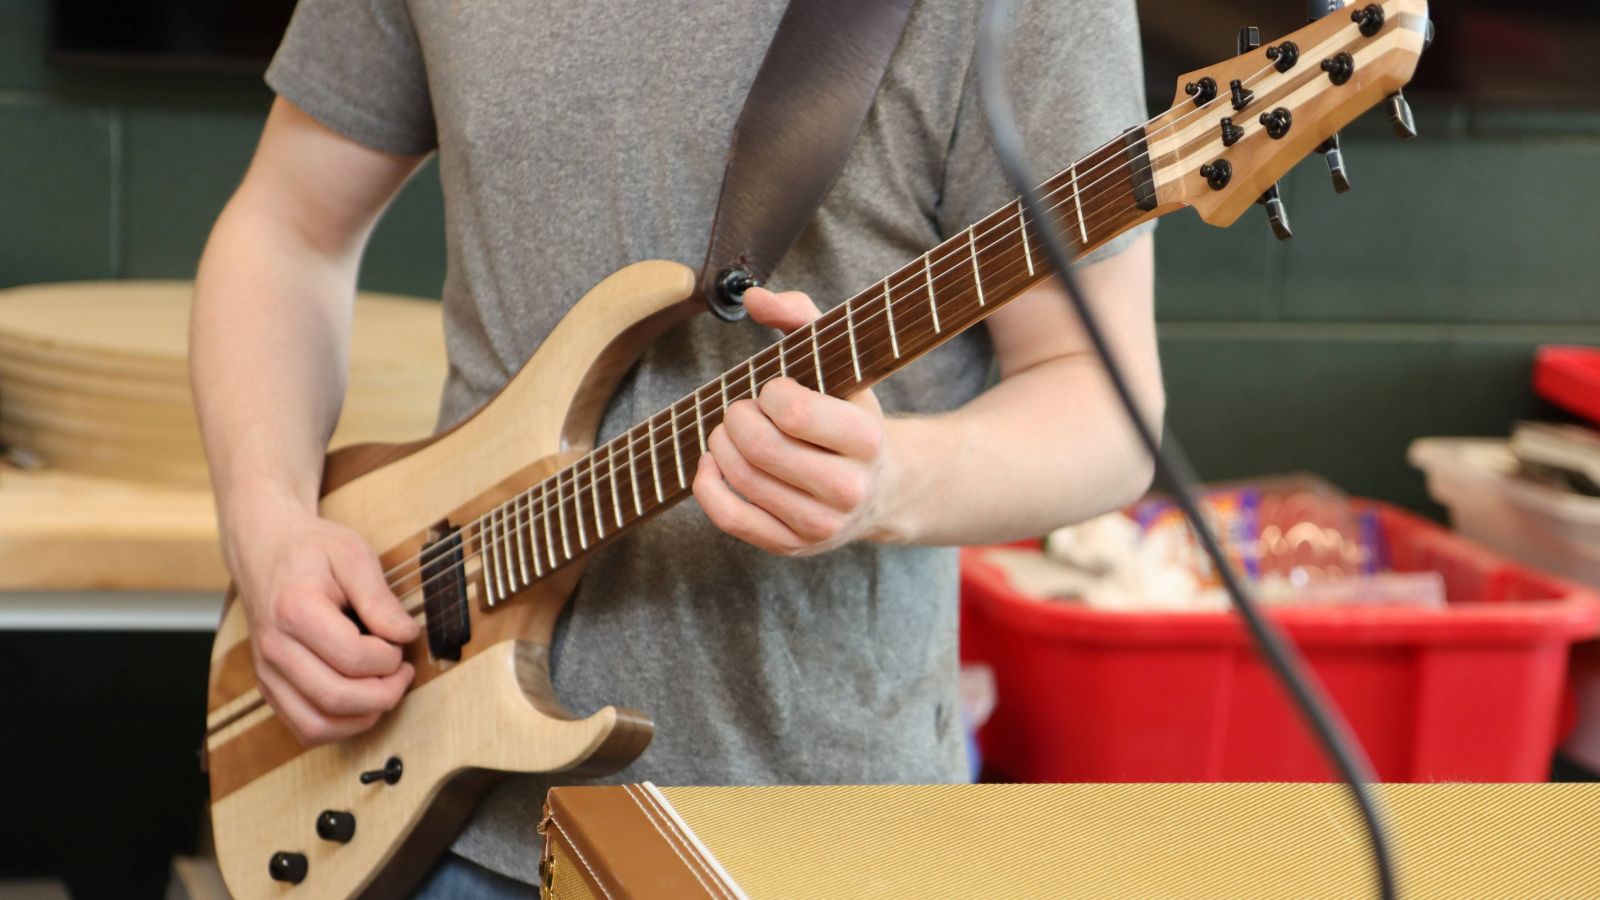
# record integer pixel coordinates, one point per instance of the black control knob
(288, 867)
(333, 825)
(391, 772)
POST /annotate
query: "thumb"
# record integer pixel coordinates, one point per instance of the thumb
(785, 312)
(360, 575)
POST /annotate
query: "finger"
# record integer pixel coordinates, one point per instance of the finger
(310, 727)
(333, 694)
(316, 622)
(360, 574)
(737, 517)
(837, 481)
(845, 427)
(800, 512)
(785, 312)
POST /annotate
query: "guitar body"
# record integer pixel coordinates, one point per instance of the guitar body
(462, 723)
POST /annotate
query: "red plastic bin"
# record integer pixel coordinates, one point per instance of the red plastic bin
(1569, 377)
(1473, 692)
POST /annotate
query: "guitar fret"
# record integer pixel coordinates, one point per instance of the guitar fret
(1077, 201)
(633, 476)
(1022, 229)
(486, 542)
(549, 538)
(655, 462)
(497, 533)
(508, 542)
(533, 537)
(616, 486)
(722, 386)
(754, 391)
(783, 367)
(594, 495)
(699, 421)
(850, 329)
(522, 555)
(927, 270)
(816, 357)
(888, 312)
(561, 517)
(677, 448)
(577, 509)
(972, 245)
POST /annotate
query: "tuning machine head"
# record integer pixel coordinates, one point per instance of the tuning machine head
(1405, 127)
(1335, 156)
(1277, 213)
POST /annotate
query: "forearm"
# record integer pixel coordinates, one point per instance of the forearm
(268, 336)
(1044, 448)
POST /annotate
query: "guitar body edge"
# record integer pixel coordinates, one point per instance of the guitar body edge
(462, 724)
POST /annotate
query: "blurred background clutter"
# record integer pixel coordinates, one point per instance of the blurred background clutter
(1420, 353)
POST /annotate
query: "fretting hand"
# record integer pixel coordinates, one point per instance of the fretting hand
(794, 471)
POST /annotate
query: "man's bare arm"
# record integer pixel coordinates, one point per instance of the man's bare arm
(269, 344)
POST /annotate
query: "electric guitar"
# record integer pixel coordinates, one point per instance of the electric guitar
(483, 539)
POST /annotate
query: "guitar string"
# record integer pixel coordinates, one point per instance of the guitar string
(522, 510)
(517, 518)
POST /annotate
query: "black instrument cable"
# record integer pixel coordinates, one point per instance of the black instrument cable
(1172, 466)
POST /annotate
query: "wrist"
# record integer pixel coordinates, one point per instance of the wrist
(250, 513)
(905, 480)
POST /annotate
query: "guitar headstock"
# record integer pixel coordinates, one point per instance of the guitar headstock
(1238, 126)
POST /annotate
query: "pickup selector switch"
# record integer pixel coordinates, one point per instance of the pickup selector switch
(288, 867)
(390, 773)
(336, 826)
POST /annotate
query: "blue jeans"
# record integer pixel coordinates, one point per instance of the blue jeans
(457, 878)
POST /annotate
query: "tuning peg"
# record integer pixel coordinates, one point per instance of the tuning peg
(1405, 127)
(1277, 213)
(1330, 149)
(1249, 39)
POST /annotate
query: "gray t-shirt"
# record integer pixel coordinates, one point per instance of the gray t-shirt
(574, 138)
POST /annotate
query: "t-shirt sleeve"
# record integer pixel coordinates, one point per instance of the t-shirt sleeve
(356, 66)
(1075, 77)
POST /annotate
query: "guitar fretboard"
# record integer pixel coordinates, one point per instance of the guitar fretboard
(849, 348)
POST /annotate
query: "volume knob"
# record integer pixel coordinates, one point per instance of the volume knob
(289, 867)
(333, 825)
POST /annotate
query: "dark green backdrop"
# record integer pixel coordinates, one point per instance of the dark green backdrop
(1410, 306)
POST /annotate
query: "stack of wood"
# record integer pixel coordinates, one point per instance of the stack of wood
(104, 482)
(94, 377)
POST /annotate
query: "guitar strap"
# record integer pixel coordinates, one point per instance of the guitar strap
(807, 104)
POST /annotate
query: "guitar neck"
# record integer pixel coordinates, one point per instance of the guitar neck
(853, 346)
